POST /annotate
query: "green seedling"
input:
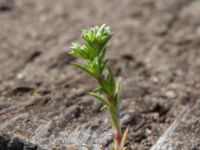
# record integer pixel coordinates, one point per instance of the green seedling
(92, 52)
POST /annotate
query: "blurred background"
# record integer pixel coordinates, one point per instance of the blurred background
(155, 52)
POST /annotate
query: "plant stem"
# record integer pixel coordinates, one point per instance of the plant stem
(114, 114)
(117, 129)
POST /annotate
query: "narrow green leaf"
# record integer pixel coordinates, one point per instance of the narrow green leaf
(97, 90)
(105, 86)
(104, 107)
(111, 78)
(103, 65)
(101, 99)
(103, 51)
(117, 95)
(83, 69)
(124, 138)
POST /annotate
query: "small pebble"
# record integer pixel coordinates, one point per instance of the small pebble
(170, 94)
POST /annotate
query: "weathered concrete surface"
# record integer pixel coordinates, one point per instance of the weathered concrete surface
(184, 132)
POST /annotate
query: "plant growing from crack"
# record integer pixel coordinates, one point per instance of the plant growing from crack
(92, 52)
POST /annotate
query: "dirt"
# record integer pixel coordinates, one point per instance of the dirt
(43, 99)
(183, 133)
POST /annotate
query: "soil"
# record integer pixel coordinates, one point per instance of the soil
(43, 99)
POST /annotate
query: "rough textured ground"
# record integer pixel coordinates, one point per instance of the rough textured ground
(155, 51)
(183, 133)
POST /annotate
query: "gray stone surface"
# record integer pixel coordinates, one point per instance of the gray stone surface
(184, 132)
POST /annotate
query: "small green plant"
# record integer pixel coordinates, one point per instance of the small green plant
(95, 64)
